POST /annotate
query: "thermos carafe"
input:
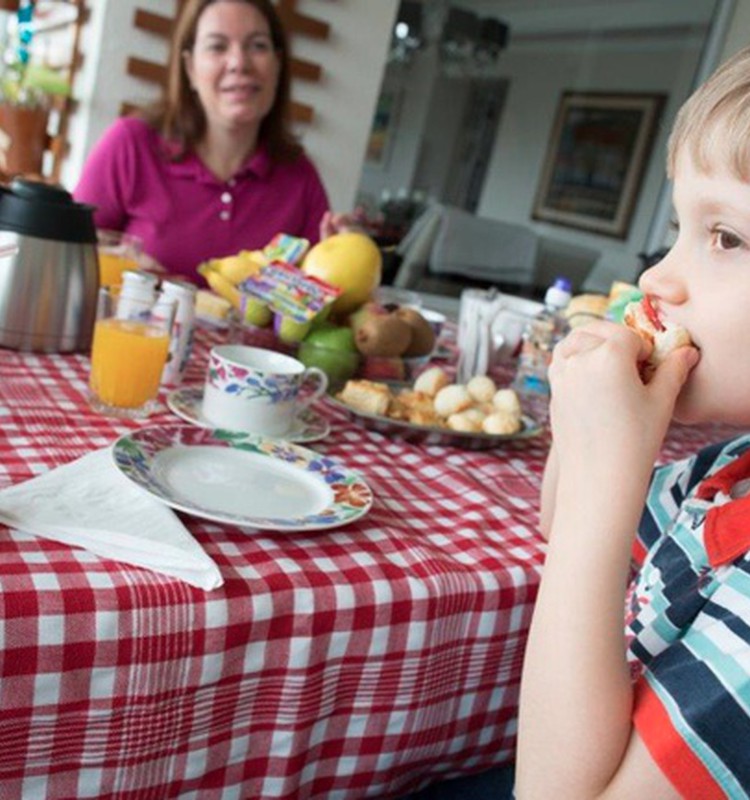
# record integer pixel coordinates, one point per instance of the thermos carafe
(49, 274)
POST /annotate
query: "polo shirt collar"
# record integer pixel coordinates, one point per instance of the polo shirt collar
(726, 532)
(191, 166)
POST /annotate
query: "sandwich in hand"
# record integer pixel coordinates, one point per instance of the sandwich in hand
(665, 336)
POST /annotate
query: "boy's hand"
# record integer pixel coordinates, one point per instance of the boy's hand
(601, 411)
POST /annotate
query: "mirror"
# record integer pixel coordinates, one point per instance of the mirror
(501, 135)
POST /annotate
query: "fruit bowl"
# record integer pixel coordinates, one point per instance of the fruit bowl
(340, 365)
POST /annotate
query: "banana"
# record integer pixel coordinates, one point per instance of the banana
(237, 268)
(223, 287)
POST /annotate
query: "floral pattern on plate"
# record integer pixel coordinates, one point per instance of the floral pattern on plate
(135, 453)
(187, 401)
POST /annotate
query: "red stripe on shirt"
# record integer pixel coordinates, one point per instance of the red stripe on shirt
(685, 771)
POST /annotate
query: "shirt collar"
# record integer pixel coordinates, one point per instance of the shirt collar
(726, 533)
(258, 164)
(725, 478)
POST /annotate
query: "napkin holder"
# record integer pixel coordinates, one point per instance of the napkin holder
(490, 328)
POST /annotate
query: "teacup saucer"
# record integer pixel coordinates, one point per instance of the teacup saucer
(187, 403)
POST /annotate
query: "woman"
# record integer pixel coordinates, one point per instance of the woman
(212, 168)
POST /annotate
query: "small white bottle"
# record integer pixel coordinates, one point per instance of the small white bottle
(137, 295)
(181, 342)
(540, 336)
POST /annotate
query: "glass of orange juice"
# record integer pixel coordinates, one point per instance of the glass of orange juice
(128, 353)
(118, 251)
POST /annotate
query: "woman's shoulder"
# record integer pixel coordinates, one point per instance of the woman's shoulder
(132, 128)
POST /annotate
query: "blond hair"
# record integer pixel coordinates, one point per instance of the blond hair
(714, 123)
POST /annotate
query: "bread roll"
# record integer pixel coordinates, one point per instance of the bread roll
(431, 381)
(663, 335)
(506, 401)
(452, 399)
(584, 307)
(481, 388)
(501, 423)
(468, 421)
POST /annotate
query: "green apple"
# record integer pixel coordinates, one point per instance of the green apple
(289, 330)
(331, 348)
(256, 312)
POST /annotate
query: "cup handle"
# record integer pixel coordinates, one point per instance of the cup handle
(317, 376)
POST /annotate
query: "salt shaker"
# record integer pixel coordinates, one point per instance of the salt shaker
(181, 342)
(137, 295)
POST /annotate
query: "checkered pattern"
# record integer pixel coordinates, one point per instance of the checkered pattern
(364, 661)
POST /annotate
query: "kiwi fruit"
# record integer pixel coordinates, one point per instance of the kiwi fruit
(422, 335)
(386, 336)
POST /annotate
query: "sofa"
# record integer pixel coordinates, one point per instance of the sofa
(448, 249)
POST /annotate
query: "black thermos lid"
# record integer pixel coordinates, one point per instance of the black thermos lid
(45, 211)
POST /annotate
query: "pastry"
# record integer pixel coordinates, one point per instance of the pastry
(506, 400)
(481, 388)
(366, 396)
(452, 399)
(431, 381)
(468, 421)
(501, 423)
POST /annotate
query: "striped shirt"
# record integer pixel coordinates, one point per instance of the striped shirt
(688, 622)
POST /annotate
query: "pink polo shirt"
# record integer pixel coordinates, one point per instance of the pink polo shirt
(182, 212)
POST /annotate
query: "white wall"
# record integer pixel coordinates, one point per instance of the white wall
(536, 81)
(352, 57)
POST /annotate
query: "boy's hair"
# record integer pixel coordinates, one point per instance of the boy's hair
(714, 123)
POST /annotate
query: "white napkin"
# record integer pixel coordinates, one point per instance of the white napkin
(90, 504)
(475, 339)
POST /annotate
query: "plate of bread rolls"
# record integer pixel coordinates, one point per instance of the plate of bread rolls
(433, 410)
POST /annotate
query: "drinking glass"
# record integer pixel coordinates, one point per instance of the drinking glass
(130, 347)
(118, 252)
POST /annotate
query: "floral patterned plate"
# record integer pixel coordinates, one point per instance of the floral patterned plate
(187, 403)
(241, 478)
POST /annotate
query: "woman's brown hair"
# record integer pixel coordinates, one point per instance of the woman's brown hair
(179, 116)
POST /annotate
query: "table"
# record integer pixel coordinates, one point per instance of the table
(365, 661)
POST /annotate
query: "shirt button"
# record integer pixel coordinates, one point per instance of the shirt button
(224, 215)
(226, 197)
(231, 182)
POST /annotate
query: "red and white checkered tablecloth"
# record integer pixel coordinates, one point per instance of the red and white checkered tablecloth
(365, 661)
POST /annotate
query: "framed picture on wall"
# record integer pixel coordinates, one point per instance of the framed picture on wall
(384, 125)
(596, 156)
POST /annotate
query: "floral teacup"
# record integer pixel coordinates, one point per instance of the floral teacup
(256, 390)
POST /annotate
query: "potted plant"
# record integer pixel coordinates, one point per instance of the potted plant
(27, 91)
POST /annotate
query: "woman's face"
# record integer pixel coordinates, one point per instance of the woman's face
(233, 65)
(704, 285)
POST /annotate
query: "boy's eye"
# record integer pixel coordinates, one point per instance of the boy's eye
(726, 240)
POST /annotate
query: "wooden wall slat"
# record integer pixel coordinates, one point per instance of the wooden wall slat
(309, 26)
(147, 70)
(304, 70)
(301, 112)
(153, 23)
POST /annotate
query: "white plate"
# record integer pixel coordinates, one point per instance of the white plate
(241, 478)
(187, 403)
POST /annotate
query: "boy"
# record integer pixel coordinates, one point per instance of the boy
(661, 710)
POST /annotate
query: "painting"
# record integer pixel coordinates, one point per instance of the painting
(597, 153)
(383, 126)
